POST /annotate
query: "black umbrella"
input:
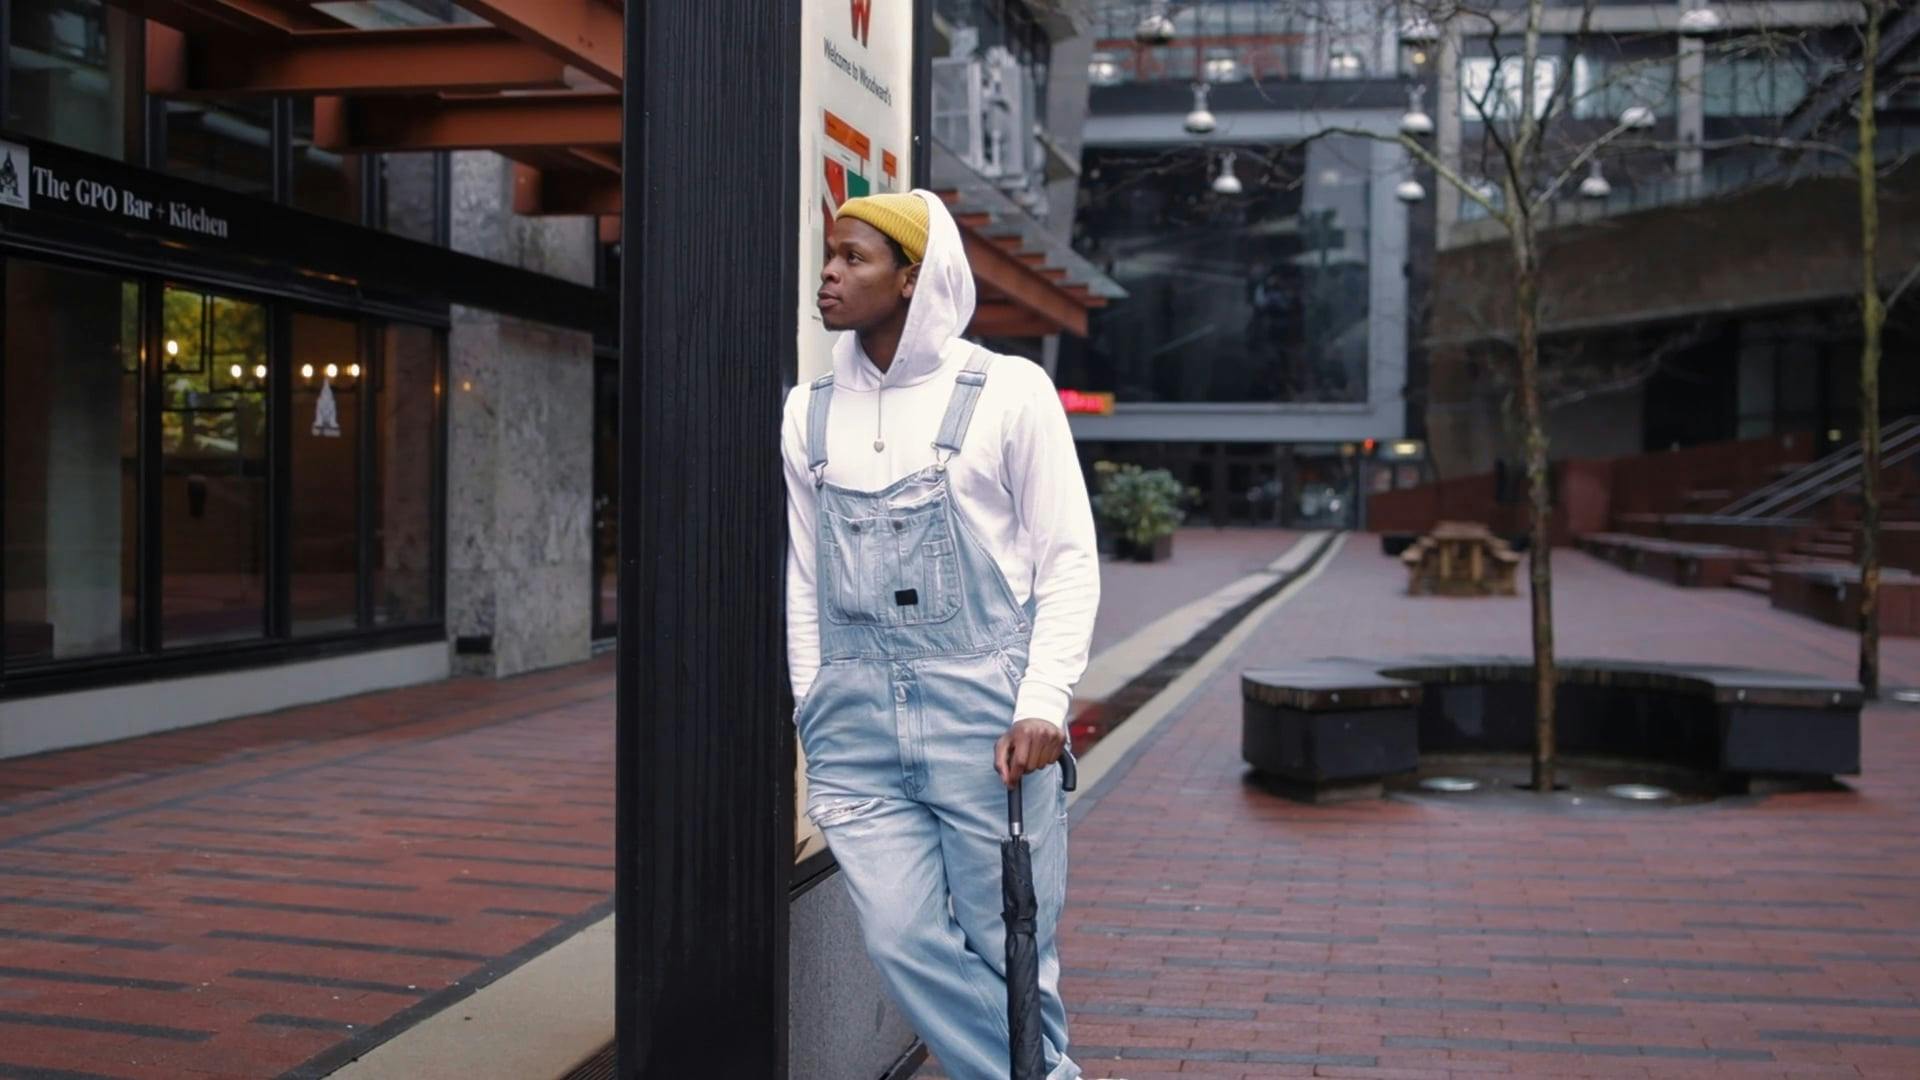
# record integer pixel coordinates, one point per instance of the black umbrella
(1021, 911)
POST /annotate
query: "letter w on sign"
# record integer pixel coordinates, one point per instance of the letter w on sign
(862, 19)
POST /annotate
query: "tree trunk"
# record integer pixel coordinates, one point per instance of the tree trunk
(1872, 315)
(1526, 268)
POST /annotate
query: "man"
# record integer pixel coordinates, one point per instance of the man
(941, 587)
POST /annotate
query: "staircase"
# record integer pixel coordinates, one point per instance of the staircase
(1823, 494)
(1823, 545)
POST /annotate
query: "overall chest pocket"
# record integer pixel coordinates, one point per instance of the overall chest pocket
(899, 569)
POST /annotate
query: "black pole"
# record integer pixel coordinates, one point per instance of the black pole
(920, 170)
(705, 831)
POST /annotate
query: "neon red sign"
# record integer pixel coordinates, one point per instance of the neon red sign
(1087, 402)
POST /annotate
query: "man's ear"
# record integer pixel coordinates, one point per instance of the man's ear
(912, 280)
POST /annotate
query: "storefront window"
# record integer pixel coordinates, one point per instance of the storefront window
(67, 73)
(323, 534)
(88, 504)
(213, 475)
(406, 446)
(1258, 297)
(72, 409)
(229, 145)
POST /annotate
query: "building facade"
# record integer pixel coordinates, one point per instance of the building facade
(309, 371)
(1241, 184)
(1701, 283)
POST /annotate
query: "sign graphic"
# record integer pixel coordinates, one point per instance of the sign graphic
(326, 413)
(862, 20)
(856, 135)
(16, 165)
(856, 138)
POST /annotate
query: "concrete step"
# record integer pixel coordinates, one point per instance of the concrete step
(1835, 552)
(1754, 583)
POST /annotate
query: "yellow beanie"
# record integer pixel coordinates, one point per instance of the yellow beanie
(902, 217)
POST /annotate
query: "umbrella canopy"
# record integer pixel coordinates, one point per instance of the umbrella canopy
(1021, 911)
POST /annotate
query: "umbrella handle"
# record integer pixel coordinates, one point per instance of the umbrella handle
(1069, 780)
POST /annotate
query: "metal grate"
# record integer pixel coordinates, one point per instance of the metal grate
(597, 1067)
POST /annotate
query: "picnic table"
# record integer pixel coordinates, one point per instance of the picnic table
(1460, 558)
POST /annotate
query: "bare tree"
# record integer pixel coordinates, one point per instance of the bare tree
(1873, 316)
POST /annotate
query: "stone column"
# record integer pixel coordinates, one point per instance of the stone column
(1690, 110)
(1446, 122)
(520, 446)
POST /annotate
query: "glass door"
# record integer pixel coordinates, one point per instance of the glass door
(213, 468)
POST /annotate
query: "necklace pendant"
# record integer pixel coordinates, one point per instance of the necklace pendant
(879, 445)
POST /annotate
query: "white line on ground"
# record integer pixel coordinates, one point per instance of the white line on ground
(1120, 663)
(1110, 750)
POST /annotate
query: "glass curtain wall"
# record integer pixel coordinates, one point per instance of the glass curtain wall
(202, 523)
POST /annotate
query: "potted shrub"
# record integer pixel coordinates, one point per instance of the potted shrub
(1140, 508)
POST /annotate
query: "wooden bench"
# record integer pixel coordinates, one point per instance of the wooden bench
(1831, 594)
(1333, 728)
(1676, 562)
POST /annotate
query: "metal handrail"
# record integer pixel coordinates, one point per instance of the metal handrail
(1852, 481)
(1765, 501)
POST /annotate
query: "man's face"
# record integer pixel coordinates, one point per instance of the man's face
(863, 283)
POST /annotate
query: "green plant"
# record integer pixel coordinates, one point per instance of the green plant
(1139, 505)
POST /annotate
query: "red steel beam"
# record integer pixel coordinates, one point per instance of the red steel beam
(530, 121)
(254, 18)
(1001, 270)
(451, 59)
(588, 34)
(1009, 320)
(537, 192)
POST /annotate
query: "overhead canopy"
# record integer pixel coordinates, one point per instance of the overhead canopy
(537, 81)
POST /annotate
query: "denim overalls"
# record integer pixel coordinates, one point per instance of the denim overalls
(922, 648)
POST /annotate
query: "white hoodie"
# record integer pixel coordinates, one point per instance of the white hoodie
(1016, 481)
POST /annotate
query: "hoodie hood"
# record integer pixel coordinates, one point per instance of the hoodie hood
(942, 306)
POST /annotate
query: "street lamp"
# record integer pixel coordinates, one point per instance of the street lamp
(1227, 183)
(1410, 191)
(1222, 66)
(1201, 120)
(1416, 122)
(1155, 28)
(1699, 20)
(1637, 117)
(1595, 186)
(1103, 69)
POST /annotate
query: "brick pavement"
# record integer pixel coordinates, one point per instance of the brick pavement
(274, 894)
(265, 896)
(1215, 929)
(1133, 595)
(268, 896)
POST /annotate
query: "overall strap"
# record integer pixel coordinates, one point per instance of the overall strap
(966, 394)
(818, 402)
